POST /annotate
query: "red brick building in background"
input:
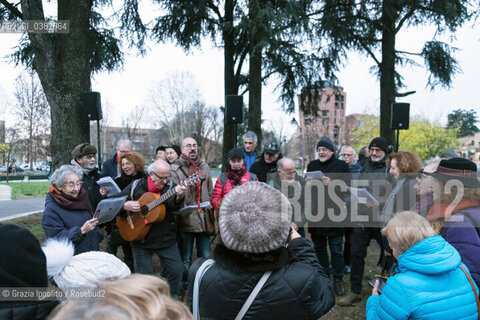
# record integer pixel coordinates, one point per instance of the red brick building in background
(330, 121)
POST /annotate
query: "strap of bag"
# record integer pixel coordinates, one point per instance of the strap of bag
(196, 286)
(134, 185)
(472, 220)
(253, 295)
(473, 287)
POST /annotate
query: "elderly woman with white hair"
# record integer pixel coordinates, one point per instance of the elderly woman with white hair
(431, 283)
(67, 212)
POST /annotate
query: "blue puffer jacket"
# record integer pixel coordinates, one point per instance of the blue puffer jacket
(58, 222)
(430, 285)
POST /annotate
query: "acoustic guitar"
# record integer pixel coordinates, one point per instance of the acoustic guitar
(135, 225)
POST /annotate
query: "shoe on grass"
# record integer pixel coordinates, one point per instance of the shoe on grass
(349, 299)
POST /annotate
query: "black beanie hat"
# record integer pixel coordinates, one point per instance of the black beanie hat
(22, 263)
(379, 142)
(235, 152)
(326, 143)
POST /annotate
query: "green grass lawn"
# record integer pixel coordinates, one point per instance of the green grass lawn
(28, 189)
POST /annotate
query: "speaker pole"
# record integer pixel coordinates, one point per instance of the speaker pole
(99, 146)
(396, 144)
(235, 135)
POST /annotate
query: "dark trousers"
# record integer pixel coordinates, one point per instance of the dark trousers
(170, 260)
(336, 253)
(360, 240)
(202, 241)
(347, 247)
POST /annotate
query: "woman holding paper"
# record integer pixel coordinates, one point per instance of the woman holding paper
(132, 166)
(404, 167)
(67, 212)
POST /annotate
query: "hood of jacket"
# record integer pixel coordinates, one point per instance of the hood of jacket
(432, 255)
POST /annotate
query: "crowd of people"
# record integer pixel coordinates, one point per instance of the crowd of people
(285, 240)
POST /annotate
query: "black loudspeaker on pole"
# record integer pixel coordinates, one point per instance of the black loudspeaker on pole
(234, 108)
(399, 119)
(92, 110)
(92, 106)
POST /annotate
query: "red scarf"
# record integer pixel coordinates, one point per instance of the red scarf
(194, 167)
(235, 176)
(68, 202)
(152, 187)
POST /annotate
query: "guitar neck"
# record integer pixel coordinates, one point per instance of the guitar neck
(161, 199)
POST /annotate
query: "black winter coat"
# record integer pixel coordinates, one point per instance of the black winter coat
(262, 169)
(93, 189)
(110, 167)
(163, 234)
(298, 288)
(26, 310)
(334, 169)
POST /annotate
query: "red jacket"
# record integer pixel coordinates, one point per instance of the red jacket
(220, 191)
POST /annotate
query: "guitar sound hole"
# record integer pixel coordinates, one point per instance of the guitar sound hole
(144, 210)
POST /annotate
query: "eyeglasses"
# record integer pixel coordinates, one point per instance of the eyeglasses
(72, 184)
(90, 156)
(190, 146)
(161, 178)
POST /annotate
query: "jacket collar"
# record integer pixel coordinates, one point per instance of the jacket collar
(239, 262)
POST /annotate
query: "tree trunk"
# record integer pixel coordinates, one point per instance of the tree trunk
(387, 70)
(230, 85)
(255, 71)
(62, 64)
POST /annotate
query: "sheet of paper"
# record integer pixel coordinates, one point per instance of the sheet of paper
(110, 185)
(314, 175)
(193, 207)
(107, 209)
(363, 193)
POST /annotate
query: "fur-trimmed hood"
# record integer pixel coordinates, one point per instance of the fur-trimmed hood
(239, 262)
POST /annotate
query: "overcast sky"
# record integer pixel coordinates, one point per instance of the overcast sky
(127, 88)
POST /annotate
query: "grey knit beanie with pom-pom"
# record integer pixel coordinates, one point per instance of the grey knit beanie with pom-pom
(254, 218)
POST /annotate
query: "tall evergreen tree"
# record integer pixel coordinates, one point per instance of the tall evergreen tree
(65, 63)
(371, 26)
(464, 121)
(273, 34)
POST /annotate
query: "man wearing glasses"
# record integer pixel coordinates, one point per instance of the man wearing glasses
(349, 156)
(84, 157)
(191, 225)
(375, 170)
(161, 239)
(287, 181)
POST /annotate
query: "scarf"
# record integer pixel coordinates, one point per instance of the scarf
(387, 211)
(152, 187)
(193, 166)
(68, 202)
(424, 203)
(235, 176)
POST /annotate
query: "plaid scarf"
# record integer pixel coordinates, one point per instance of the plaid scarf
(235, 176)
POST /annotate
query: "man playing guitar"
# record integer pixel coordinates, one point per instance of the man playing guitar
(161, 238)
